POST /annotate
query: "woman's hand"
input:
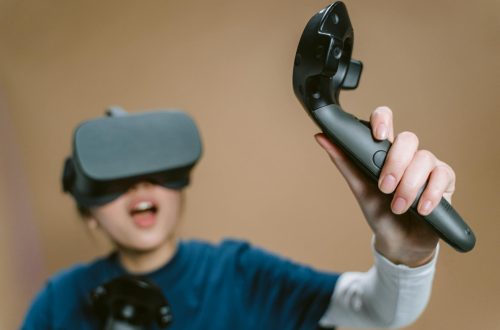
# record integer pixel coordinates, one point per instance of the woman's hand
(399, 236)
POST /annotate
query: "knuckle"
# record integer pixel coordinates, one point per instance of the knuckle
(411, 187)
(405, 195)
(408, 188)
(451, 173)
(408, 137)
(426, 156)
(433, 193)
(447, 172)
(397, 163)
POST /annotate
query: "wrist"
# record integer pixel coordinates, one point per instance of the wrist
(405, 253)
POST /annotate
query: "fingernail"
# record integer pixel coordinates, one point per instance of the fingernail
(425, 209)
(388, 184)
(381, 132)
(399, 205)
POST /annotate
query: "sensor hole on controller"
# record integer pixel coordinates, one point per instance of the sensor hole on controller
(337, 53)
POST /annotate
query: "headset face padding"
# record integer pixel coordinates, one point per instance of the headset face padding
(110, 154)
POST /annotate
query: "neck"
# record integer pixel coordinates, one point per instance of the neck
(140, 262)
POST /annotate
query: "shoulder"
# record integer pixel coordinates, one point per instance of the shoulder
(246, 254)
(62, 291)
(74, 283)
(247, 258)
(69, 274)
(216, 259)
(81, 272)
(242, 257)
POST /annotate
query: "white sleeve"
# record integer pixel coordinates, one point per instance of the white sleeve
(387, 296)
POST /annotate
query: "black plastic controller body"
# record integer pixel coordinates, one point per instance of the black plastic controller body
(130, 303)
(323, 66)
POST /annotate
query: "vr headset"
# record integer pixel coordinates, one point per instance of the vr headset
(113, 153)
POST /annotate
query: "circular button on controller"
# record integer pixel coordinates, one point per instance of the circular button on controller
(379, 158)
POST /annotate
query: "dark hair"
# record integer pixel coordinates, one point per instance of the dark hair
(83, 211)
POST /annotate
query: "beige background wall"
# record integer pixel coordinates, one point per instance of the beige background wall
(262, 177)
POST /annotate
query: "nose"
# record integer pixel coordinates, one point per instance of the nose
(141, 185)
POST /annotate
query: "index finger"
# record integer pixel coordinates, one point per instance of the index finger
(381, 123)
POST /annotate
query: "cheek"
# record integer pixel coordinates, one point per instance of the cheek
(111, 217)
(167, 219)
(171, 204)
(114, 227)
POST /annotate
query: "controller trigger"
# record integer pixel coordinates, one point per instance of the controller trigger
(353, 75)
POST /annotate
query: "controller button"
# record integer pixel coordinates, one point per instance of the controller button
(379, 158)
(337, 52)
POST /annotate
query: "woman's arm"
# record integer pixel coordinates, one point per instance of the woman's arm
(386, 296)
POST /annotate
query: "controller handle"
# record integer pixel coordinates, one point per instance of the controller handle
(323, 66)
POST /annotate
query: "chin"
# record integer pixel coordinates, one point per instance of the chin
(146, 244)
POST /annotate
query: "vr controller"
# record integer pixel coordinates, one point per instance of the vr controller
(323, 66)
(130, 303)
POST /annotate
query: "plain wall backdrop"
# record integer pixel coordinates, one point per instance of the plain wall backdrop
(262, 176)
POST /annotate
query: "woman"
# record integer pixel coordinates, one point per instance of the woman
(233, 285)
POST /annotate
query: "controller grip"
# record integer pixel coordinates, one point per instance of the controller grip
(355, 139)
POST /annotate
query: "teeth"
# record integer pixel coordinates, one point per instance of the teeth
(142, 206)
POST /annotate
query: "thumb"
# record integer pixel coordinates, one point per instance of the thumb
(356, 179)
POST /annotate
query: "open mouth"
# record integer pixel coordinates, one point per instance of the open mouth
(144, 213)
(143, 207)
